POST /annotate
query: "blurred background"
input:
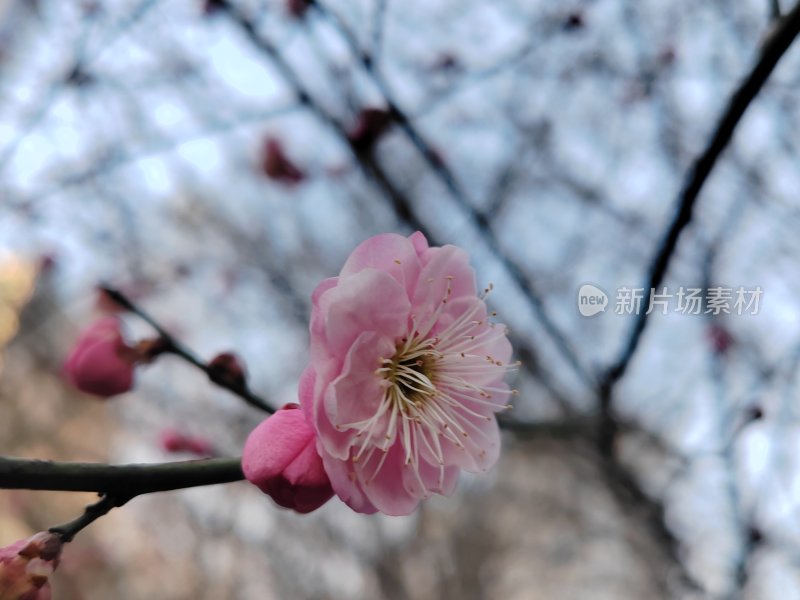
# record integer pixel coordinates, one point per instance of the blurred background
(215, 160)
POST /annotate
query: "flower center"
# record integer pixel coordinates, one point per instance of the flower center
(410, 373)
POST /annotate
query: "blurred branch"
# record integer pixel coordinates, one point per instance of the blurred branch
(378, 27)
(775, 9)
(479, 219)
(636, 503)
(564, 428)
(618, 476)
(401, 205)
(784, 33)
(173, 346)
(123, 482)
(73, 75)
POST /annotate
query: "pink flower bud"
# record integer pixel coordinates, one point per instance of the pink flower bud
(173, 440)
(26, 566)
(280, 457)
(101, 363)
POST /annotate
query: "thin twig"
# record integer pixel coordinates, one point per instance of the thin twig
(67, 531)
(173, 346)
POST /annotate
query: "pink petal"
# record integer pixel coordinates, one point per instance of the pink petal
(479, 450)
(280, 457)
(419, 241)
(346, 485)
(386, 489)
(387, 252)
(437, 479)
(305, 391)
(371, 300)
(98, 369)
(319, 311)
(446, 278)
(274, 444)
(358, 392)
(306, 468)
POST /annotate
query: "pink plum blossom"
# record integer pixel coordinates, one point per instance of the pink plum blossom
(26, 566)
(101, 362)
(406, 374)
(280, 457)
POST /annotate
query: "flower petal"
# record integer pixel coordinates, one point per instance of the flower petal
(274, 444)
(387, 252)
(371, 300)
(447, 277)
(386, 488)
(481, 445)
(419, 241)
(345, 484)
(357, 394)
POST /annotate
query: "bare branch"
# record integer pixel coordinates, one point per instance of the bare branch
(123, 482)
(776, 45)
(67, 531)
(173, 346)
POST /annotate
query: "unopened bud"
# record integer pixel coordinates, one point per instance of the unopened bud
(101, 362)
(173, 440)
(280, 457)
(277, 165)
(26, 567)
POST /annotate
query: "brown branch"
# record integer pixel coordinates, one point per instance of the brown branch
(173, 346)
(123, 482)
(784, 32)
(67, 531)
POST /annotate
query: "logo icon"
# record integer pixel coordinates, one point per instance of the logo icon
(591, 300)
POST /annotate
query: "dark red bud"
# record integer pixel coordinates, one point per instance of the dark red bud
(227, 368)
(297, 8)
(277, 165)
(720, 338)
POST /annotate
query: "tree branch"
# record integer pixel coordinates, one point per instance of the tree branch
(67, 531)
(478, 219)
(173, 346)
(402, 207)
(123, 482)
(778, 42)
